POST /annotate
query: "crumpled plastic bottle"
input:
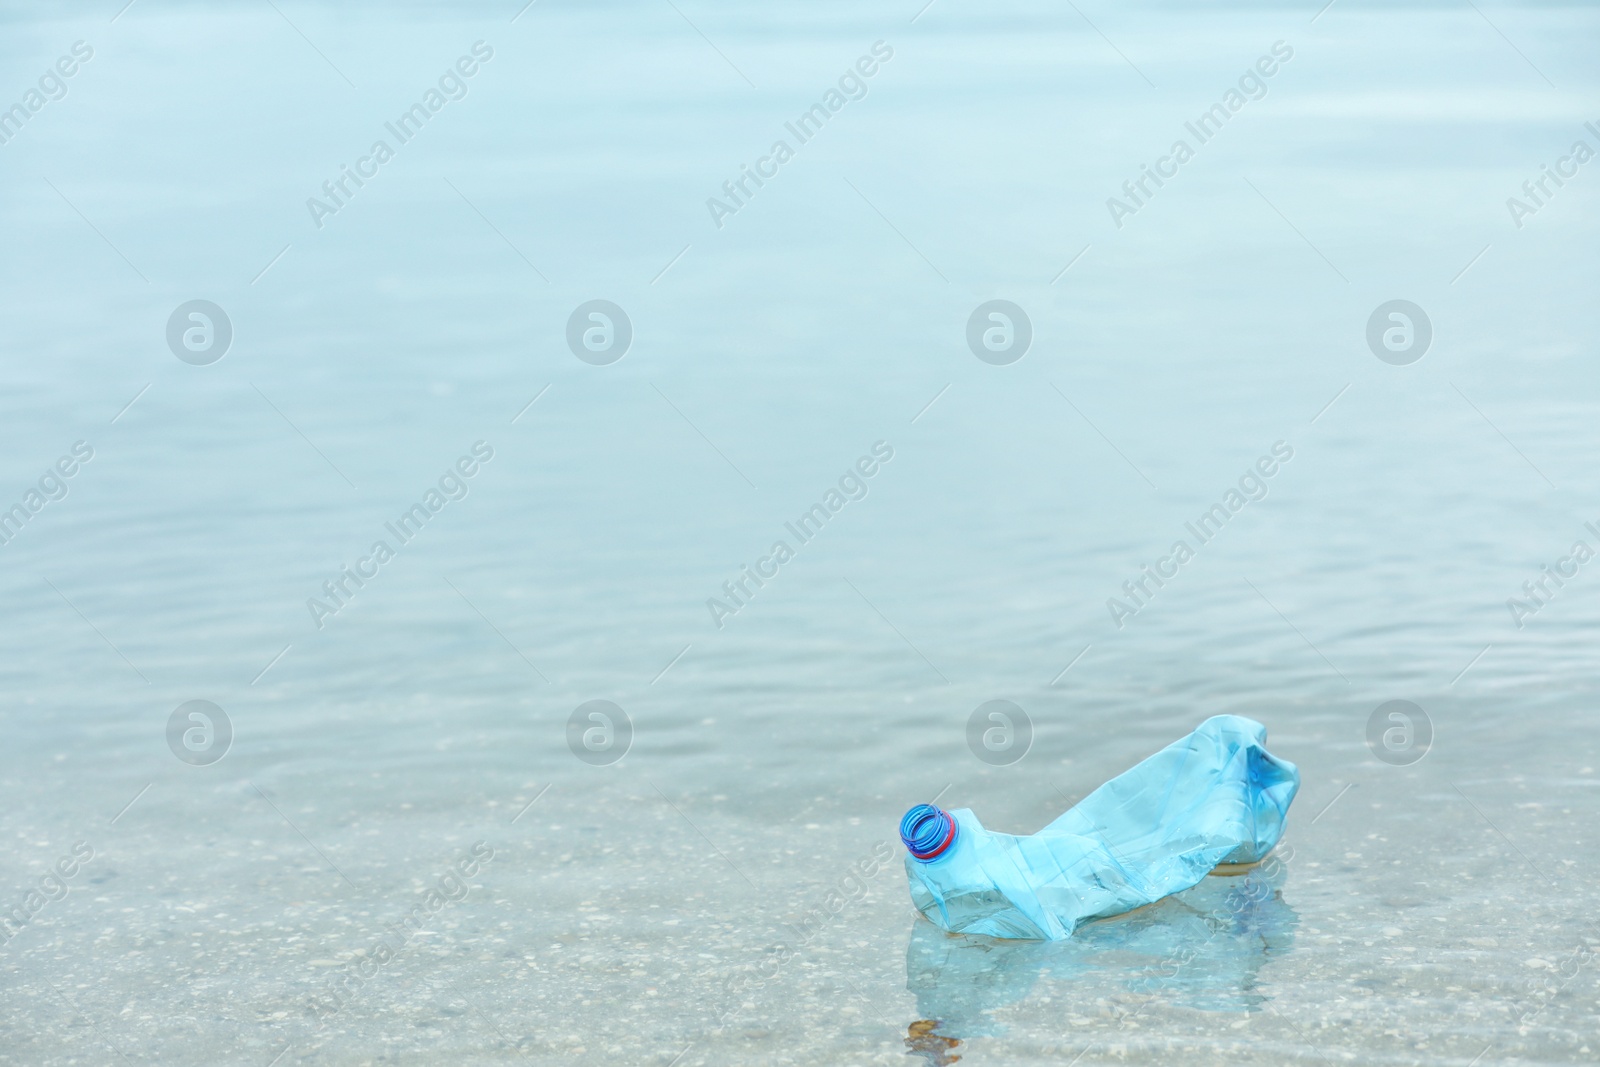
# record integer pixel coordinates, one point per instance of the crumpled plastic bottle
(1215, 797)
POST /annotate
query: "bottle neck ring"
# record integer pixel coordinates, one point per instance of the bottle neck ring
(927, 831)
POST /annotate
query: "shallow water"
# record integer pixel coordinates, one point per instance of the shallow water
(718, 894)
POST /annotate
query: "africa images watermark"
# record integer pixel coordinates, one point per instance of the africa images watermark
(452, 485)
(852, 85)
(850, 888)
(52, 86)
(452, 85)
(1543, 988)
(1251, 86)
(1537, 592)
(852, 486)
(53, 886)
(1579, 154)
(52, 486)
(1258, 887)
(448, 888)
(1252, 487)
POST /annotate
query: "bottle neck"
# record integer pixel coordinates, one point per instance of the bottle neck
(927, 831)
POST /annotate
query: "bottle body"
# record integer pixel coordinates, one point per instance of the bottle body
(1215, 796)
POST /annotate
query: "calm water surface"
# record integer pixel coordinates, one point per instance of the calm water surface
(719, 894)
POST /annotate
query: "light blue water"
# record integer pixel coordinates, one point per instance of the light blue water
(717, 895)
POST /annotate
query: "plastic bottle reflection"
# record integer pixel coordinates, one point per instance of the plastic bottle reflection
(1202, 948)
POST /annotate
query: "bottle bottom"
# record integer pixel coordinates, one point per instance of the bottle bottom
(1233, 870)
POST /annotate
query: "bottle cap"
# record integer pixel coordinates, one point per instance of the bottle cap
(927, 831)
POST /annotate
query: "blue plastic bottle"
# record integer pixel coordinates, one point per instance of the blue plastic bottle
(1214, 797)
